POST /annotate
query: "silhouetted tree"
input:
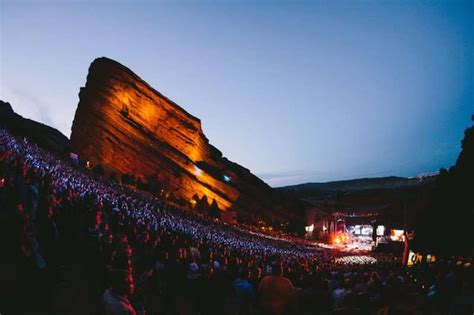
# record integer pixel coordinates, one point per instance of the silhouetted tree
(195, 201)
(203, 205)
(214, 210)
(296, 227)
(124, 178)
(98, 170)
(172, 198)
(444, 227)
(181, 202)
(113, 177)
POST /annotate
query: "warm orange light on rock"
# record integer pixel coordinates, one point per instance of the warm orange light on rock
(128, 127)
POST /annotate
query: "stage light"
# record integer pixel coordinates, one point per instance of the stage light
(397, 235)
(226, 178)
(380, 230)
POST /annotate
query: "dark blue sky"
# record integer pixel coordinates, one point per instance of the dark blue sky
(296, 91)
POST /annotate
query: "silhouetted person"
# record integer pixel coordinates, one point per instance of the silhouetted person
(116, 299)
(276, 293)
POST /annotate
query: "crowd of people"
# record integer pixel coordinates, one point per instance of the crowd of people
(145, 256)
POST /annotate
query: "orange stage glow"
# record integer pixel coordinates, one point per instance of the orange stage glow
(339, 239)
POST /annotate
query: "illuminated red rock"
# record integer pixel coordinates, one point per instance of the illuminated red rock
(124, 124)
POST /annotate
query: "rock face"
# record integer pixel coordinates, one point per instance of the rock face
(128, 127)
(44, 136)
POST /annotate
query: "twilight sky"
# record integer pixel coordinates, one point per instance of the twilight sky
(296, 91)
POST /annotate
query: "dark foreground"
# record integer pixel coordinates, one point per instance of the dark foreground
(73, 243)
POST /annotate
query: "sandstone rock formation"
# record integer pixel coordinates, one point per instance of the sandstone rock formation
(44, 136)
(128, 127)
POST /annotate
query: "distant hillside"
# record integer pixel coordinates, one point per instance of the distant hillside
(390, 182)
(44, 136)
(386, 196)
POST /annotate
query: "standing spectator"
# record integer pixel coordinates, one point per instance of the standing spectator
(33, 196)
(276, 293)
(115, 299)
(244, 293)
(338, 295)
